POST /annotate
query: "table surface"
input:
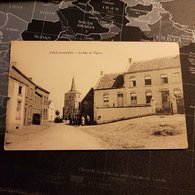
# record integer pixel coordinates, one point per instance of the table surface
(100, 172)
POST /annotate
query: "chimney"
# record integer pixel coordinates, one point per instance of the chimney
(101, 73)
(130, 61)
(30, 78)
(128, 64)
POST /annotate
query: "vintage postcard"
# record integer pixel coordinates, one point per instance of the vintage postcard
(95, 96)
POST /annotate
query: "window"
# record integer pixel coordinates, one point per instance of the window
(175, 77)
(31, 93)
(46, 100)
(20, 90)
(148, 80)
(164, 78)
(18, 110)
(106, 99)
(133, 98)
(132, 81)
(148, 97)
(177, 93)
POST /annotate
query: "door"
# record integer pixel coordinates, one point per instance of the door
(166, 101)
(180, 101)
(120, 99)
(180, 105)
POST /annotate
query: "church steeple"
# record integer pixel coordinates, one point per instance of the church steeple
(72, 101)
(73, 86)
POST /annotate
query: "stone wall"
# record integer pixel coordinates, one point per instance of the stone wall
(106, 115)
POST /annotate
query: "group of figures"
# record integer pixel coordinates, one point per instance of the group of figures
(78, 119)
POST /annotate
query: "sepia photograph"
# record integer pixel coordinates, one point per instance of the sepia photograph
(88, 95)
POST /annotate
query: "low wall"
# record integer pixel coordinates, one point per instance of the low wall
(106, 115)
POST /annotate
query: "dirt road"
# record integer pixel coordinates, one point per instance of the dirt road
(151, 132)
(51, 137)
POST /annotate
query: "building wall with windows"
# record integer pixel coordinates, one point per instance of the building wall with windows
(110, 91)
(15, 104)
(31, 100)
(16, 74)
(152, 84)
(112, 105)
(109, 98)
(156, 83)
(42, 103)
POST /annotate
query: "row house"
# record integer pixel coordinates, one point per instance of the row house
(41, 103)
(25, 99)
(159, 79)
(144, 88)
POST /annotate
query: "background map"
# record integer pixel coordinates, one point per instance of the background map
(100, 172)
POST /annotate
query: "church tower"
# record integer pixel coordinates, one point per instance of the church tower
(72, 101)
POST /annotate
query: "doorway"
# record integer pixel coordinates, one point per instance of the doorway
(166, 100)
(120, 99)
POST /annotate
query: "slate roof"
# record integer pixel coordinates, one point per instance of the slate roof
(73, 88)
(116, 80)
(109, 81)
(37, 86)
(12, 75)
(155, 64)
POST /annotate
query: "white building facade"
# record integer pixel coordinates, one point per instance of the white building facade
(15, 117)
(145, 88)
(25, 100)
(51, 112)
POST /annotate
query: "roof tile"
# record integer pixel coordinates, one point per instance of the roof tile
(109, 81)
(155, 64)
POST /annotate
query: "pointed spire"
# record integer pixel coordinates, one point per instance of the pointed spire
(73, 86)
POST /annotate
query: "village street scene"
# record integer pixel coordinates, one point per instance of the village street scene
(139, 108)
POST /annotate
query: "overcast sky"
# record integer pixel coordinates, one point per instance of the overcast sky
(53, 64)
